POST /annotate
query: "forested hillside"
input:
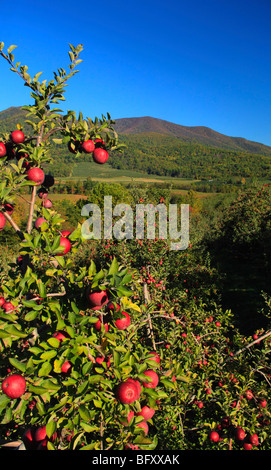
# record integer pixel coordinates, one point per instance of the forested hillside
(166, 149)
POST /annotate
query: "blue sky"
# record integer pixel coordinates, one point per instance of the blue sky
(195, 63)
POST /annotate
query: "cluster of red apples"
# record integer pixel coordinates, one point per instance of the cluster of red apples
(95, 147)
(247, 440)
(128, 391)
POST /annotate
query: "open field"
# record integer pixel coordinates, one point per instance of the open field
(84, 170)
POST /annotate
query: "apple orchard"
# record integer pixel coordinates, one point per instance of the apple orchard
(112, 344)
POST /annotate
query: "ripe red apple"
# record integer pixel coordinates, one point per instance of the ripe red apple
(130, 415)
(214, 436)
(154, 379)
(153, 356)
(144, 426)
(40, 434)
(88, 146)
(240, 434)
(66, 367)
(61, 335)
(249, 394)
(3, 150)
(97, 298)
(137, 384)
(263, 403)
(29, 438)
(36, 175)
(99, 143)
(42, 193)
(147, 412)
(65, 233)
(14, 386)
(100, 155)
(66, 245)
(39, 222)
(247, 445)
(47, 203)
(9, 208)
(8, 307)
(98, 324)
(17, 137)
(123, 322)
(127, 392)
(2, 301)
(2, 221)
(253, 439)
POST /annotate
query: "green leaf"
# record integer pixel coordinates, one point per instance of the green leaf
(17, 364)
(114, 267)
(50, 428)
(84, 413)
(48, 354)
(45, 369)
(11, 48)
(41, 288)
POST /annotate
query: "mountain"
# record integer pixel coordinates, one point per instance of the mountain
(146, 125)
(197, 134)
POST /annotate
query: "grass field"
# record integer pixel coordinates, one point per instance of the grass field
(84, 170)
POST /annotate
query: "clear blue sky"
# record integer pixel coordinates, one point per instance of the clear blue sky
(195, 63)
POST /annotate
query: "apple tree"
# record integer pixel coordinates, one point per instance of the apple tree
(74, 372)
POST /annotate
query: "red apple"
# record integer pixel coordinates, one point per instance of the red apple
(40, 434)
(39, 222)
(88, 146)
(127, 392)
(100, 155)
(129, 417)
(42, 193)
(9, 208)
(14, 386)
(3, 150)
(263, 403)
(247, 446)
(99, 143)
(214, 436)
(17, 137)
(146, 412)
(249, 394)
(98, 324)
(97, 298)
(253, 439)
(153, 356)
(47, 203)
(154, 379)
(2, 221)
(29, 438)
(8, 307)
(2, 301)
(61, 335)
(36, 175)
(137, 384)
(240, 434)
(123, 322)
(144, 426)
(66, 367)
(65, 233)
(66, 245)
